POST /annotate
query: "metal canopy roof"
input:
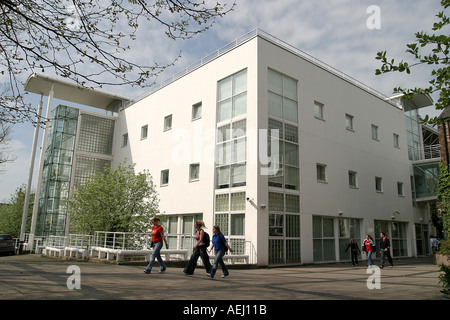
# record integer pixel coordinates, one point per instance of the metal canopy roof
(420, 100)
(64, 90)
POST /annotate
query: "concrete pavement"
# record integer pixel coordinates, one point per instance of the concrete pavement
(25, 277)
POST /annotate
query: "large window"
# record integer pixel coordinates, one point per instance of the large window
(348, 228)
(413, 130)
(323, 239)
(283, 117)
(396, 232)
(231, 140)
(232, 96)
(283, 97)
(284, 228)
(180, 231)
(231, 154)
(230, 213)
(230, 217)
(422, 239)
(96, 134)
(288, 173)
(284, 183)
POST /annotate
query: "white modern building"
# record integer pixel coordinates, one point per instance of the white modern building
(289, 156)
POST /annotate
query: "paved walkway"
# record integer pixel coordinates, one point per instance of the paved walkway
(25, 277)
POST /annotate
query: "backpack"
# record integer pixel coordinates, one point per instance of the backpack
(206, 238)
(220, 238)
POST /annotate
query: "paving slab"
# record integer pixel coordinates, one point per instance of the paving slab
(34, 277)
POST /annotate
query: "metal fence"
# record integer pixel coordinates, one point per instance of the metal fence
(131, 241)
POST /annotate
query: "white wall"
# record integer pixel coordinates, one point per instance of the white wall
(190, 141)
(329, 142)
(326, 142)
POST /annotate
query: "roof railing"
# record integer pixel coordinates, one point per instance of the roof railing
(246, 37)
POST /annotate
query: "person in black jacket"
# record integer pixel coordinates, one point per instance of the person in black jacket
(354, 249)
(385, 249)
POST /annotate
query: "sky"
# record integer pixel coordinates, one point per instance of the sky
(345, 34)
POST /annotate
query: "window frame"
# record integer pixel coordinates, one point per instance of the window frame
(349, 122)
(164, 176)
(318, 106)
(144, 129)
(125, 140)
(396, 138)
(380, 180)
(197, 106)
(191, 170)
(374, 130)
(166, 122)
(350, 180)
(324, 167)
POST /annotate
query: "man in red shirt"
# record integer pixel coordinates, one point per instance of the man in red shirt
(385, 248)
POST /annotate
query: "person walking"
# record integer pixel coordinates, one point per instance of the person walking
(434, 242)
(354, 250)
(221, 246)
(368, 247)
(157, 239)
(199, 250)
(385, 248)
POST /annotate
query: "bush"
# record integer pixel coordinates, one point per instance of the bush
(444, 247)
(444, 279)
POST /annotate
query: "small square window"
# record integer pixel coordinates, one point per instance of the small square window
(349, 122)
(144, 132)
(396, 140)
(318, 110)
(321, 170)
(378, 184)
(164, 177)
(400, 189)
(194, 172)
(374, 132)
(352, 182)
(197, 111)
(168, 122)
(125, 140)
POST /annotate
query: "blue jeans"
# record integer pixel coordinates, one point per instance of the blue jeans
(156, 255)
(369, 258)
(219, 260)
